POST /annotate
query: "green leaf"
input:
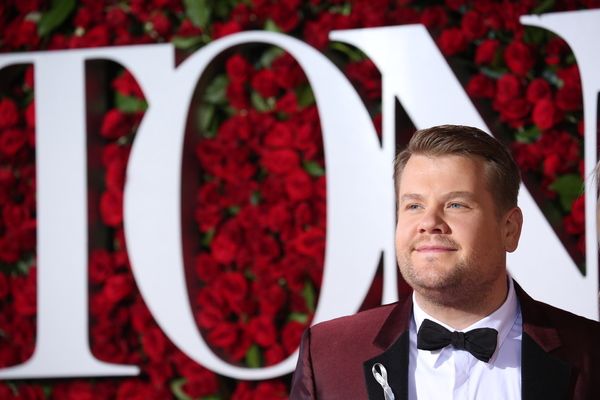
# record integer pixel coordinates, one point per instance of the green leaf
(298, 317)
(259, 102)
(255, 197)
(130, 104)
(198, 11)
(207, 113)
(177, 389)
(547, 5)
(267, 57)
(207, 238)
(353, 54)
(185, 43)
(51, 19)
(271, 26)
(528, 135)
(309, 296)
(305, 96)
(313, 168)
(215, 92)
(568, 187)
(253, 356)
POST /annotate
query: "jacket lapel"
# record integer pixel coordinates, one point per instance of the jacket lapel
(394, 339)
(542, 375)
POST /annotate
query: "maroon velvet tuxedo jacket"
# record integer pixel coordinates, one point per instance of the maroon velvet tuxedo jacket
(560, 354)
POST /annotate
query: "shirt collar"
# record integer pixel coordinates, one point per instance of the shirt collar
(501, 320)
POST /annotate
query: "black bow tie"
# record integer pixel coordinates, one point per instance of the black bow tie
(481, 343)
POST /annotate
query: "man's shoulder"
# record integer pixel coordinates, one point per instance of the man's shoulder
(379, 313)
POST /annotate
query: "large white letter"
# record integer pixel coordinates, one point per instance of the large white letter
(356, 216)
(415, 71)
(62, 348)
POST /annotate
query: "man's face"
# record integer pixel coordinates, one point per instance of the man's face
(450, 243)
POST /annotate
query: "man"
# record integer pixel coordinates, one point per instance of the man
(468, 331)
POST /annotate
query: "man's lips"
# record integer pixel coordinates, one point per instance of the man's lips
(433, 249)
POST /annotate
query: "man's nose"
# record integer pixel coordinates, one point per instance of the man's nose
(433, 222)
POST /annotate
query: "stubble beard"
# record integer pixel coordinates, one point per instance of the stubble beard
(461, 286)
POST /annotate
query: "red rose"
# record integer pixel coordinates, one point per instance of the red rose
(367, 76)
(24, 292)
(287, 103)
(224, 335)
(201, 382)
(237, 96)
(265, 83)
(298, 185)
(519, 57)
(234, 289)
(452, 41)
(316, 33)
(101, 266)
(127, 85)
(285, 15)
(278, 217)
(98, 36)
(11, 141)
(569, 98)
(555, 49)
(161, 24)
(311, 244)
(434, 17)
(402, 15)
(538, 89)
(116, 124)
(288, 72)
(187, 29)
(263, 331)
(13, 215)
(575, 222)
(274, 354)
(508, 88)
(280, 161)
(480, 86)
(83, 18)
(30, 115)
(486, 51)
(118, 287)
(4, 288)
(291, 335)
(160, 373)
(9, 250)
(280, 135)
(271, 390)
(369, 14)
(154, 343)
(207, 269)
(133, 389)
(221, 29)
(223, 248)
(80, 390)
(238, 68)
(141, 319)
(473, 25)
(545, 114)
(9, 113)
(272, 298)
(111, 207)
(117, 18)
(514, 112)
(272, 189)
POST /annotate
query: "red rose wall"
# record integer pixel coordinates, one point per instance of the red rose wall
(260, 202)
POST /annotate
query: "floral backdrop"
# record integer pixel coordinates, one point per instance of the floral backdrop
(261, 193)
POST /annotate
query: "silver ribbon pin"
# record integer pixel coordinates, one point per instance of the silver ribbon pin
(381, 378)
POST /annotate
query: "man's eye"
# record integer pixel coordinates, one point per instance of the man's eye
(413, 207)
(455, 205)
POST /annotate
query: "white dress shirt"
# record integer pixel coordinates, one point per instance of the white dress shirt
(455, 374)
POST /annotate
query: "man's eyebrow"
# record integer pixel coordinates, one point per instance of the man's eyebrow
(410, 197)
(460, 194)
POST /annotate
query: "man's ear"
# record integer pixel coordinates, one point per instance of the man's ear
(513, 221)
